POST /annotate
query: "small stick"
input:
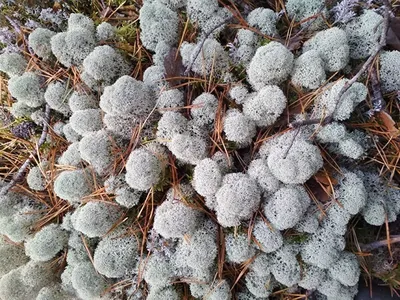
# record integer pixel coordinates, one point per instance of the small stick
(20, 174)
(377, 99)
(348, 84)
(374, 245)
(200, 45)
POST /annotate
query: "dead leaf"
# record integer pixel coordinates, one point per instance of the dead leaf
(323, 178)
(173, 66)
(295, 42)
(389, 123)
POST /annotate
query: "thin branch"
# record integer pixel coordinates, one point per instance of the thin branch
(20, 174)
(374, 245)
(377, 98)
(201, 44)
(348, 84)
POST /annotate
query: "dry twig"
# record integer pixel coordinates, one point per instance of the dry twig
(201, 44)
(348, 84)
(374, 245)
(21, 171)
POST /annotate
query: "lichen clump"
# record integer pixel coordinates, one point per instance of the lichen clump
(183, 156)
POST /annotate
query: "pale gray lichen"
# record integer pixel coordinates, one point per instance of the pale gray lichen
(238, 248)
(219, 291)
(155, 79)
(197, 252)
(39, 41)
(104, 64)
(27, 89)
(259, 170)
(13, 64)
(54, 292)
(311, 277)
(11, 256)
(295, 163)
(16, 217)
(174, 219)
(87, 282)
(36, 177)
(308, 70)
(285, 267)
(96, 148)
(71, 156)
(309, 223)
(328, 104)
(170, 124)
(87, 121)
(271, 64)
(323, 248)
(363, 33)
(158, 23)
(263, 19)
(158, 271)
(114, 256)
(71, 47)
(127, 96)
(239, 93)
(105, 31)
(336, 219)
(269, 238)
(346, 270)
(332, 47)
(207, 177)
(170, 100)
(79, 22)
(95, 218)
(266, 106)
(285, 207)
(389, 70)
(143, 169)
(237, 199)
(70, 134)
(212, 57)
(188, 148)
(80, 101)
(73, 185)
(207, 14)
(301, 10)
(169, 293)
(259, 286)
(238, 127)
(46, 243)
(20, 109)
(56, 97)
(204, 109)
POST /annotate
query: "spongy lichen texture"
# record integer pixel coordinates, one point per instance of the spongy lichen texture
(172, 157)
(27, 89)
(95, 218)
(173, 218)
(73, 185)
(271, 64)
(266, 106)
(237, 199)
(308, 70)
(158, 23)
(46, 243)
(39, 41)
(143, 169)
(332, 47)
(13, 64)
(390, 70)
(114, 256)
